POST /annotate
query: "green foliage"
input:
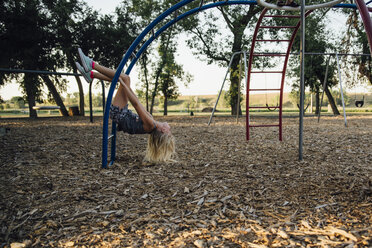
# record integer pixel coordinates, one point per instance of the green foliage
(315, 65)
(358, 69)
(160, 74)
(294, 97)
(73, 99)
(223, 102)
(191, 103)
(45, 35)
(18, 102)
(171, 71)
(338, 98)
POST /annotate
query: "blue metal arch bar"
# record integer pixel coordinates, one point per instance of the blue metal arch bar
(136, 42)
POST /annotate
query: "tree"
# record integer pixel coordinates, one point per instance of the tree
(145, 12)
(170, 72)
(18, 101)
(77, 25)
(209, 43)
(34, 49)
(74, 23)
(355, 41)
(144, 77)
(51, 33)
(142, 13)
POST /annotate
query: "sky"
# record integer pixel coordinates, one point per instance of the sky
(207, 78)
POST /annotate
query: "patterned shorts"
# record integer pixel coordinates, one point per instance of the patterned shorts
(126, 120)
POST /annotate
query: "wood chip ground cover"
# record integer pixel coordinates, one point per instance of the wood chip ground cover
(221, 192)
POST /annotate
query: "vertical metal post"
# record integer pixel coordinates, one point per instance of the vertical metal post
(90, 102)
(302, 81)
(113, 144)
(245, 72)
(103, 95)
(342, 93)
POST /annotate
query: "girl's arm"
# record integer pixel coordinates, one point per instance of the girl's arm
(148, 121)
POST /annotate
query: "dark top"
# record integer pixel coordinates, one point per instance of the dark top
(126, 120)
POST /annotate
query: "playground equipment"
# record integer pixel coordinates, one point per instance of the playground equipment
(49, 108)
(325, 85)
(359, 103)
(273, 108)
(360, 4)
(282, 72)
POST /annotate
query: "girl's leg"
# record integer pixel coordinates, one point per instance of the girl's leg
(104, 70)
(109, 73)
(94, 74)
(121, 99)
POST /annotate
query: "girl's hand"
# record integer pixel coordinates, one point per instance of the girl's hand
(164, 128)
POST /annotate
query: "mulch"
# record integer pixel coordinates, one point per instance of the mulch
(222, 192)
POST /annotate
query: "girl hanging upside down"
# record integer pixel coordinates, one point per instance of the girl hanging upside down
(161, 142)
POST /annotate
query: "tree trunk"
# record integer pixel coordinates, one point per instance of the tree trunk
(144, 64)
(154, 95)
(165, 104)
(147, 96)
(80, 86)
(29, 81)
(317, 102)
(331, 101)
(234, 86)
(56, 96)
(81, 94)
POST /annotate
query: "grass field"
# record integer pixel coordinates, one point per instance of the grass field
(184, 104)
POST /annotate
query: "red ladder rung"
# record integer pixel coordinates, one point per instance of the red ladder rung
(266, 71)
(263, 107)
(265, 125)
(263, 89)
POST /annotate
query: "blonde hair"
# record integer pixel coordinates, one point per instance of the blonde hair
(160, 147)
